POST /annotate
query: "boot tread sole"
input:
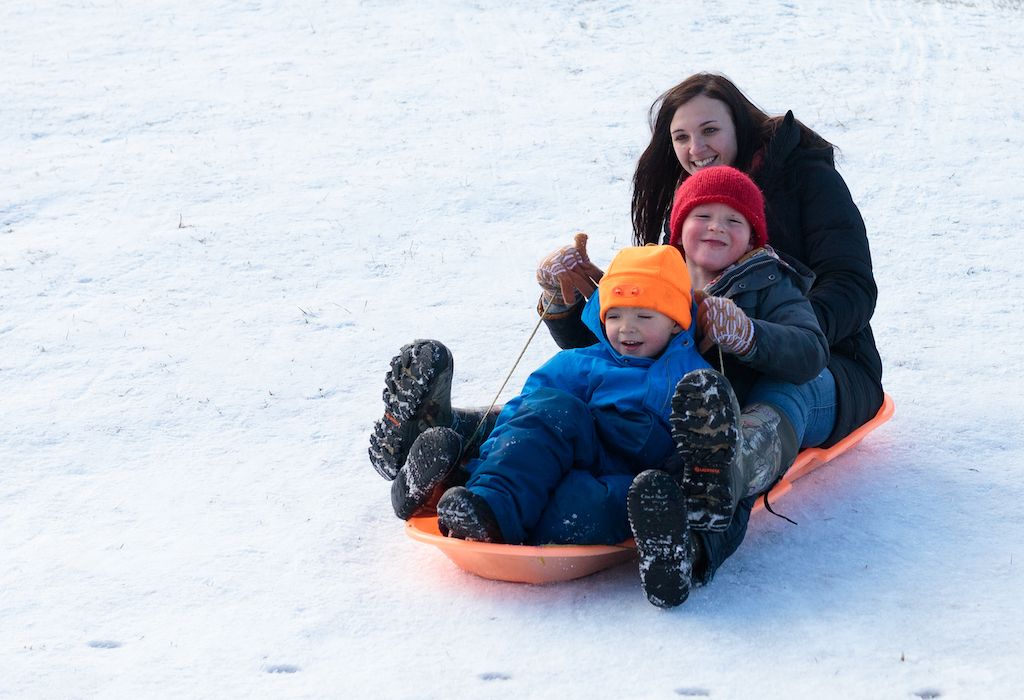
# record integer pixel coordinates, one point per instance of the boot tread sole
(705, 430)
(414, 373)
(657, 518)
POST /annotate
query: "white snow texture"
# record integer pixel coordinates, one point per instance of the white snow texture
(220, 220)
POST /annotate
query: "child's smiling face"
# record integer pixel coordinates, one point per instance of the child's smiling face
(637, 332)
(714, 236)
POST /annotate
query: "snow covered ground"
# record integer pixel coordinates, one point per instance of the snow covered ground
(221, 219)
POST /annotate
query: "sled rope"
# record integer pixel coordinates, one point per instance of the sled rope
(515, 364)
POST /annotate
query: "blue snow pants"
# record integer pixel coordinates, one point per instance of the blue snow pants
(549, 479)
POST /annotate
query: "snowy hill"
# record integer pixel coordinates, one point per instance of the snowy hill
(220, 221)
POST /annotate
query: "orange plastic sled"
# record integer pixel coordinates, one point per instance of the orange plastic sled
(551, 563)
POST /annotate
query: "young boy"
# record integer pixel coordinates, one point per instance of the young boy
(752, 306)
(588, 420)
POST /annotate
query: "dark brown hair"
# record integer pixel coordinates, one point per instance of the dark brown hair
(659, 173)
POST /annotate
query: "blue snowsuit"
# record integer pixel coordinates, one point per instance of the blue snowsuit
(562, 455)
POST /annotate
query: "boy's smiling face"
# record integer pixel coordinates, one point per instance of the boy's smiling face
(637, 332)
(714, 236)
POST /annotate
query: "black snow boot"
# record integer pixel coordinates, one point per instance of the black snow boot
(726, 455)
(657, 517)
(430, 468)
(417, 396)
(463, 514)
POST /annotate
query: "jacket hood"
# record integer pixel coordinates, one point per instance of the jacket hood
(781, 146)
(592, 319)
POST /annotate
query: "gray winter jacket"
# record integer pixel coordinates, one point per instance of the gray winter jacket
(789, 345)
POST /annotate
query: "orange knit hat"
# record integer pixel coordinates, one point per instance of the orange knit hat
(649, 277)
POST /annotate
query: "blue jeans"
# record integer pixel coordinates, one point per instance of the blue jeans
(811, 406)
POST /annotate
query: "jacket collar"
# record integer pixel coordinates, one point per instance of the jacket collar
(757, 259)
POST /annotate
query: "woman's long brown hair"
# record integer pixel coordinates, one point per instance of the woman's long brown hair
(659, 173)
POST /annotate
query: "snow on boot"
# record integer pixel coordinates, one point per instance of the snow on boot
(706, 432)
(466, 515)
(433, 460)
(417, 396)
(768, 448)
(657, 517)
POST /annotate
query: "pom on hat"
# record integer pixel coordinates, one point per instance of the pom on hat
(719, 185)
(649, 277)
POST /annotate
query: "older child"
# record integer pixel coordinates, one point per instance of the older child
(752, 306)
(595, 416)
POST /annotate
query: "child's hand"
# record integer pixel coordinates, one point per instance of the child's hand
(720, 322)
(566, 270)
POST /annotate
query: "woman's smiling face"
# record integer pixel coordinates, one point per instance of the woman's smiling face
(703, 134)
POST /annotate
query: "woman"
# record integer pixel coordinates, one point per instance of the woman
(703, 122)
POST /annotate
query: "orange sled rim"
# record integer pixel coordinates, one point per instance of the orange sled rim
(553, 563)
(521, 563)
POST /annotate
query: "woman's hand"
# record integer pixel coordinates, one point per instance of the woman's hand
(566, 270)
(720, 322)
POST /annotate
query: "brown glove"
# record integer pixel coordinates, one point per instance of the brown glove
(720, 322)
(566, 270)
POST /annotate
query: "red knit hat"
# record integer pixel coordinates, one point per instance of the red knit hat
(650, 277)
(719, 185)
